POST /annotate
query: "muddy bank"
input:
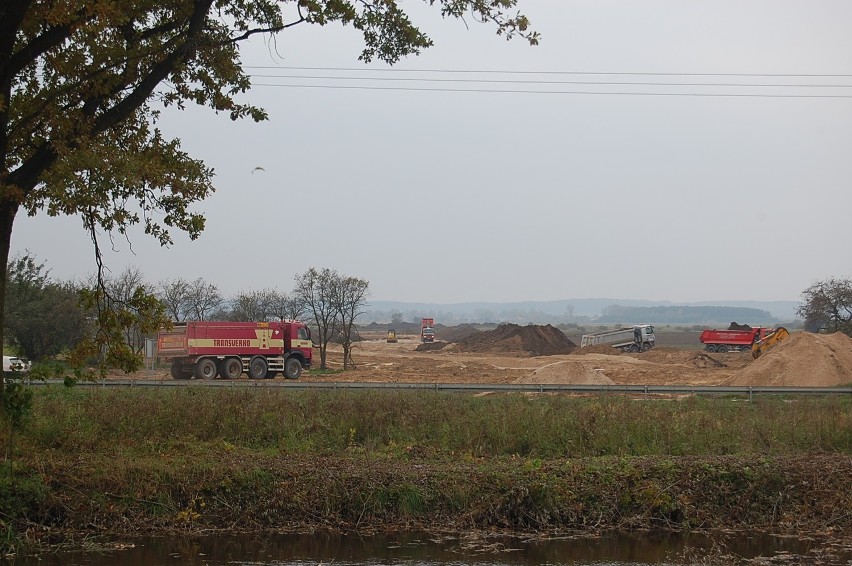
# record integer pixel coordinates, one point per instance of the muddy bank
(111, 462)
(809, 494)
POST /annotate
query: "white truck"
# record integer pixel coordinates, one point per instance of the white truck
(637, 338)
(14, 363)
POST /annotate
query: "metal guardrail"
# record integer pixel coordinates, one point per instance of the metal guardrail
(473, 387)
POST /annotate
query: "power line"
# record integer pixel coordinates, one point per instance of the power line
(589, 93)
(597, 73)
(508, 81)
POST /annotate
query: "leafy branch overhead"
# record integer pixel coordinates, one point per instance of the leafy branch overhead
(82, 83)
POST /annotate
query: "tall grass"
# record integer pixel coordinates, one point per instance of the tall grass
(150, 421)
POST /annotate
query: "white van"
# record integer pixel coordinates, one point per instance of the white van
(14, 363)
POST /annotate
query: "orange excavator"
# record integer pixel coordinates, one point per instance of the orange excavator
(769, 341)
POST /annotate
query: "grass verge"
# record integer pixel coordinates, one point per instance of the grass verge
(193, 459)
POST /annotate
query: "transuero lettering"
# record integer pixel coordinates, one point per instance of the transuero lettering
(231, 343)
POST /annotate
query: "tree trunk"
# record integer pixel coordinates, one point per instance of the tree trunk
(7, 218)
(323, 353)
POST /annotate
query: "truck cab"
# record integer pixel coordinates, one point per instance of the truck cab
(427, 330)
(646, 337)
(427, 334)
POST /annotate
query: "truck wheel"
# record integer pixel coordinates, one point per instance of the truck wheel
(292, 368)
(175, 371)
(710, 347)
(205, 369)
(646, 346)
(257, 368)
(232, 368)
(633, 348)
(722, 349)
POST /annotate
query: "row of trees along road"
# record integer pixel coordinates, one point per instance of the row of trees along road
(45, 318)
(81, 89)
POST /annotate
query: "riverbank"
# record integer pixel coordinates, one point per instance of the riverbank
(113, 463)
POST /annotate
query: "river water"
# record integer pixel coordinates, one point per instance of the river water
(424, 550)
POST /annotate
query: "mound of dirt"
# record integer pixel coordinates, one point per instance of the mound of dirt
(531, 340)
(804, 359)
(566, 372)
(430, 346)
(599, 349)
(667, 355)
(458, 332)
(702, 360)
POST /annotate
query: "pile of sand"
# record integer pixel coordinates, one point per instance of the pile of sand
(702, 360)
(804, 359)
(430, 346)
(531, 340)
(458, 332)
(599, 349)
(566, 372)
(671, 356)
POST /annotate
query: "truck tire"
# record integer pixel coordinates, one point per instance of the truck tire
(257, 367)
(205, 368)
(232, 368)
(646, 346)
(292, 368)
(722, 349)
(177, 371)
(633, 349)
(710, 347)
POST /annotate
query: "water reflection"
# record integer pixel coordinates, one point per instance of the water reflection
(413, 550)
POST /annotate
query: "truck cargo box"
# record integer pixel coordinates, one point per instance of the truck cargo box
(262, 349)
(729, 340)
(636, 338)
(219, 338)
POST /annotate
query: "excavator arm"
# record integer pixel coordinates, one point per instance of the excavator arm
(768, 341)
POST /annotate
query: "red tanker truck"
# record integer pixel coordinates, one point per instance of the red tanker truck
(204, 350)
(732, 340)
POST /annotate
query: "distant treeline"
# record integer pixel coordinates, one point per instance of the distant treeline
(582, 312)
(684, 315)
(612, 314)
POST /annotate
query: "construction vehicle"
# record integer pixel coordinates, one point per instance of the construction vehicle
(770, 340)
(732, 340)
(392, 337)
(637, 338)
(203, 350)
(427, 330)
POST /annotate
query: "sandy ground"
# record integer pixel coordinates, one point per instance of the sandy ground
(803, 359)
(376, 360)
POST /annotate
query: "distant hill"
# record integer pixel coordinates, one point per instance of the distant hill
(585, 310)
(685, 315)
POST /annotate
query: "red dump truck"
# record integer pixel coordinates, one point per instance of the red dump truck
(427, 330)
(204, 350)
(732, 340)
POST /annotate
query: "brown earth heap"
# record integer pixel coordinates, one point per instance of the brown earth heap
(458, 332)
(531, 340)
(598, 349)
(804, 359)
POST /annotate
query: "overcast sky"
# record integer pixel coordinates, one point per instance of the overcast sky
(446, 196)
